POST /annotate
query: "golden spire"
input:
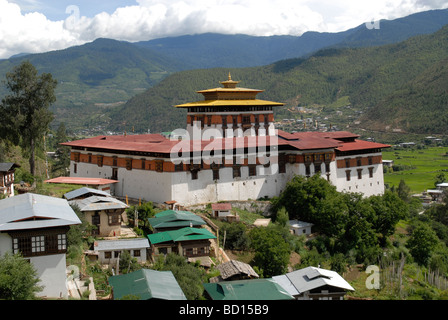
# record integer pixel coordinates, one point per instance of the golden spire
(229, 83)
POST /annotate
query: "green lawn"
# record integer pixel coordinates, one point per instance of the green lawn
(424, 165)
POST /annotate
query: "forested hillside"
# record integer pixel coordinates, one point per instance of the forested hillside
(371, 78)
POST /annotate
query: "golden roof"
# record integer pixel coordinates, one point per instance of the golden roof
(230, 95)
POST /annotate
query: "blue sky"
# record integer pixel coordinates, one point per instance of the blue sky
(42, 25)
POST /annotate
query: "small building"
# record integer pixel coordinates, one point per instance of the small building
(7, 171)
(234, 270)
(105, 213)
(173, 220)
(110, 250)
(187, 242)
(299, 228)
(36, 226)
(254, 289)
(222, 211)
(146, 284)
(313, 283)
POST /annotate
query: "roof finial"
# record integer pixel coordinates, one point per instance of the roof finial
(230, 77)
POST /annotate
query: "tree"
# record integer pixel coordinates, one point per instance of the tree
(18, 278)
(25, 114)
(62, 152)
(271, 251)
(422, 242)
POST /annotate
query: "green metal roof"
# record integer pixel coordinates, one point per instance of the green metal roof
(147, 284)
(184, 234)
(254, 289)
(175, 219)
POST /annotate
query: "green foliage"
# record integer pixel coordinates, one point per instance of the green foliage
(422, 242)
(128, 263)
(188, 276)
(271, 250)
(144, 211)
(236, 237)
(25, 111)
(18, 278)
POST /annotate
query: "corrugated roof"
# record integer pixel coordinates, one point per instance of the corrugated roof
(121, 244)
(309, 278)
(96, 203)
(184, 234)
(6, 166)
(32, 211)
(361, 145)
(254, 289)
(147, 284)
(81, 180)
(172, 218)
(84, 191)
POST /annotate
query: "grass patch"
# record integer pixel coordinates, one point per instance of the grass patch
(423, 164)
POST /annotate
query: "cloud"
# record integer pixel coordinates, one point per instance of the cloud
(150, 19)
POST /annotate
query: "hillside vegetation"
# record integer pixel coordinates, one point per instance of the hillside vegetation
(372, 79)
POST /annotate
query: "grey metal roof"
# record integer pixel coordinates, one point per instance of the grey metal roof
(121, 244)
(6, 166)
(20, 212)
(97, 203)
(309, 278)
(83, 191)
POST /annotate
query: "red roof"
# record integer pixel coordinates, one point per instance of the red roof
(361, 145)
(221, 206)
(159, 144)
(80, 180)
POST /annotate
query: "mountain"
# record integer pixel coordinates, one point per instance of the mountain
(236, 51)
(370, 79)
(97, 79)
(97, 75)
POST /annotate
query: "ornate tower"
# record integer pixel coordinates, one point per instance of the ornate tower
(234, 111)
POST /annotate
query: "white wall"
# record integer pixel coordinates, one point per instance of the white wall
(51, 270)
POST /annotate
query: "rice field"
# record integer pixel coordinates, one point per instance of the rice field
(420, 166)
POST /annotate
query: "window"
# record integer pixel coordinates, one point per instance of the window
(236, 171)
(370, 159)
(99, 160)
(317, 167)
(252, 170)
(159, 165)
(37, 244)
(179, 167)
(107, 255)
(307, 170)
(128, 164)
(194, 174)
(136, 253)
(75, 168)
(347, 163)
(62, 242)
(359, 173)
(143, 164)
(347, 175)
(114, 218)
(215, 174)
(358, 162)
(370, 172)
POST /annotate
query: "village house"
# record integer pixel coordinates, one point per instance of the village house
(187, 242)
(313, 283)
(146, 284)
(109, 251)
(105, 213)
(222, 211)
(299, 228)
(36, 226)
(7, 170)
(232, 152)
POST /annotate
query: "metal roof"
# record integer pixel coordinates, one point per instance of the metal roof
(147, 284)
(121, 244)
(97, 203)
(6, 166)
(254, 289)
(171, 218)
(81, 180)
(306, 279)
(83, 191)
(32, 211)
(184, 234)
